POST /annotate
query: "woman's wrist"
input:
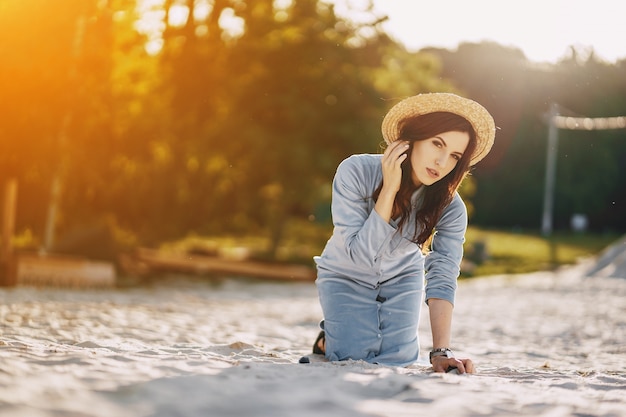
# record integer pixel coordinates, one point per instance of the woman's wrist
(440, 353)
(384, 204)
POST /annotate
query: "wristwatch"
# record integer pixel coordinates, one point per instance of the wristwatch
(440, 352)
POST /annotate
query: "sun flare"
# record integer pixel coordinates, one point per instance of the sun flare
(544, 30)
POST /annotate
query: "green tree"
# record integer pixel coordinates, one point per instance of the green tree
(266, 113)
(590, 165)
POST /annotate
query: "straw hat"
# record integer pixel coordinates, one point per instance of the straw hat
(477, 115)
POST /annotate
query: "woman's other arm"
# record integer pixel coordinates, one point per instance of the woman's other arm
(441, 324)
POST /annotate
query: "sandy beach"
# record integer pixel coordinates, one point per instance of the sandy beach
(546, 344)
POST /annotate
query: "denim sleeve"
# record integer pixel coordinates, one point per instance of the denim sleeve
(442, 264)
(362, 233)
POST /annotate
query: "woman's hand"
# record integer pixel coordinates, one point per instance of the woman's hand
(392, 160)
(443, 364)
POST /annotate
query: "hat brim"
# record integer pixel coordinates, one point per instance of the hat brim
(421, 104)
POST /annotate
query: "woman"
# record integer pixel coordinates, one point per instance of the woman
(387, 210)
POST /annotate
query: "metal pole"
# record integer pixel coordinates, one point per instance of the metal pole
(548, 196)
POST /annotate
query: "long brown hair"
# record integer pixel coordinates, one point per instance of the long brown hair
(438, 195)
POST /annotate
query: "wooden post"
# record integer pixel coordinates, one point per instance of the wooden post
(7, 261)
(57, 180)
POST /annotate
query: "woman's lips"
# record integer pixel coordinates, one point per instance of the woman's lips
(432, 173)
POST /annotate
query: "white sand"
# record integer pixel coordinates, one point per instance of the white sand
(546, 344)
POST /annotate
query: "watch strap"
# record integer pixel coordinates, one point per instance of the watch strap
(440, 352)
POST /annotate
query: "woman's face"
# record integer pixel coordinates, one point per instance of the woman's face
(434, 158)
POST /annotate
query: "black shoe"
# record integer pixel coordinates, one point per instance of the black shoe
(316, 349)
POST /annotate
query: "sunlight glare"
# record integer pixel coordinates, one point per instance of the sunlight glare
(151, 22)
(545, 31)
(178, 15)
(233, 25)
(202, 10)
(282, 4)
(281, 8)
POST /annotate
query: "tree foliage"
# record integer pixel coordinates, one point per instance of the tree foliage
(56, 103)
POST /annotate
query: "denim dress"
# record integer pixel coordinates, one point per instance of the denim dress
(370, 275)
